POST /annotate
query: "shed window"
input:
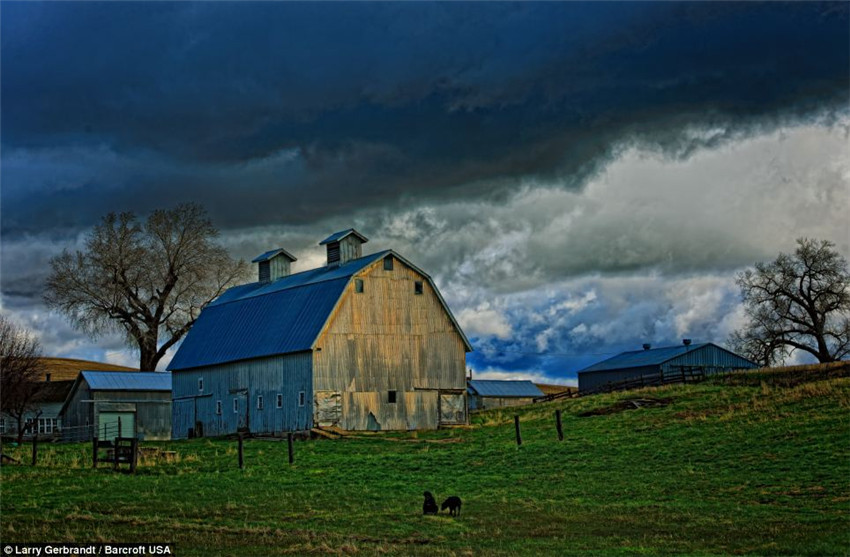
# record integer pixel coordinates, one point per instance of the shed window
(302, 398)
(388, 263)
(280, 400)
(200, 384)
(259, 402)
(218, 408)
(2, 425)
(235, 405)
(417, 287)
(391, 397)
(358, 286)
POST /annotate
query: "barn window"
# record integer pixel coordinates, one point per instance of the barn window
(218, 408)
(391, 397)
(200, 384)
(417, 287)
(235, 405)
(2, 425)
(280, 400)
(302, 398)
(358, 286)
(259, 402)
(388, 263)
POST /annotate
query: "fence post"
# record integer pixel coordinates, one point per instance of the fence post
(558, 425)
(119, 426)
(94, 452)
(134, 446)
(518, 435)
(241, 461)
(34, 448)
(289, 441)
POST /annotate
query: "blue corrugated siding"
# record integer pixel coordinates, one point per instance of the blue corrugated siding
(285, 375)
(711, 357)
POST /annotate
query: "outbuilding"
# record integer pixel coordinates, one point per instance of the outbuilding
(705, 358)
(110, 404)
(364, 342)
(484, 394)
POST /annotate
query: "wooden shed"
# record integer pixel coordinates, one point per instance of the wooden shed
(361, 343)
(109, 404)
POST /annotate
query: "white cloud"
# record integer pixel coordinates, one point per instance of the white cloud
(483, 320)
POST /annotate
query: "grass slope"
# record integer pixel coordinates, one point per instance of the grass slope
(757, 464)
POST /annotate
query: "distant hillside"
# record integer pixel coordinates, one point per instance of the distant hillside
(66, 369)
(554, 389)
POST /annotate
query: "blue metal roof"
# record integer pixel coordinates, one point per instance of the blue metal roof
(269, 254)
(266, 319)
(337, 236)
(127, 380)
(503, 388)
(641, 358)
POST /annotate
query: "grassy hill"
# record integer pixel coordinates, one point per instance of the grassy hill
(756, 463)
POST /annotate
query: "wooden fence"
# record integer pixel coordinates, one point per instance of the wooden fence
(682, 374)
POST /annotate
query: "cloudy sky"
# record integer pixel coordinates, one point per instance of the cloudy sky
(578, 178)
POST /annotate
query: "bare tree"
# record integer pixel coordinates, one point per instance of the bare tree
(146, 281)
(800, 301)
(20, 373)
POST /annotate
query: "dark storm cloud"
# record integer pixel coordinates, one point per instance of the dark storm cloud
(291, 112)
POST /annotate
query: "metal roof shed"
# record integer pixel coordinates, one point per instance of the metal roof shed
(708, 357)
(495, 394)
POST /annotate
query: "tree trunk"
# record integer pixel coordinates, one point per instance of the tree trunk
(20, 429)
(147, 355)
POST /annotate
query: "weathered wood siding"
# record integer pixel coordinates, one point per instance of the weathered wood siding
(79, 414)
(388, 338)
(152, 411)
(484, 402)
(286, 375)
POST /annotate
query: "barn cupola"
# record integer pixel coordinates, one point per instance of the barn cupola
(274, 264)
(344, 246)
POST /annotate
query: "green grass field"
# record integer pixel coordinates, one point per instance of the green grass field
(756, 464)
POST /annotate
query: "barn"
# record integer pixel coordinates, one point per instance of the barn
(706, 357)
(110, 404)
(484, 394)
(361, 343)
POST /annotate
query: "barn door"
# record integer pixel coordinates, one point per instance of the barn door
(328, 409)
(243, 410)
(115, 424)
(452, 408)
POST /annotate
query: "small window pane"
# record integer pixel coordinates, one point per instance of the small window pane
(358, 285)
(201, 385)
(388, 263)
(260, 402)
(302, 398)
(391, 397)
(417, 287)
(235, 405)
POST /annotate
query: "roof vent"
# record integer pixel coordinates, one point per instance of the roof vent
(274, 264)
(647, 346)
(344, 246)
(686, 341)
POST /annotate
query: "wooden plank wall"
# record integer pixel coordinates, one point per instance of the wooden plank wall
(389, 338)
